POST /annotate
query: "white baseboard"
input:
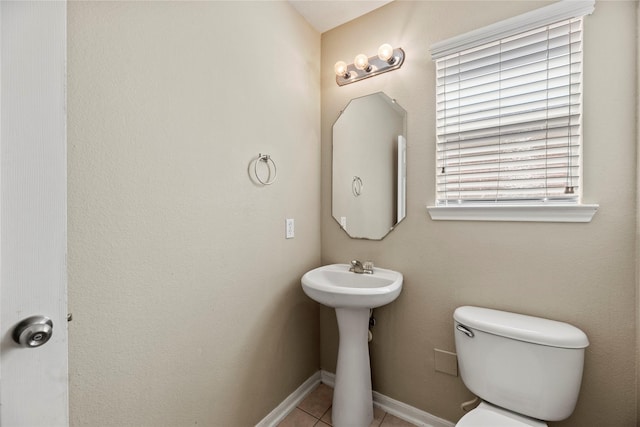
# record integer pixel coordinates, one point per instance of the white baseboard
(328, 378)
(289, 404)
(408, 413)
(391, 406)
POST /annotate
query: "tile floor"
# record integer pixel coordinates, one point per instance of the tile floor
(315, 410)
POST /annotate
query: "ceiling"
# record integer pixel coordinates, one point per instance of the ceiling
(324, 15)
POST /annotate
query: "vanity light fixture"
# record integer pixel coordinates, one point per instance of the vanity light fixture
(388, 59)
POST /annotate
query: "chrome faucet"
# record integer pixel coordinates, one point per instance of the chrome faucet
(359, 268)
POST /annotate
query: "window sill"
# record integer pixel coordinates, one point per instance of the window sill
(538, 213)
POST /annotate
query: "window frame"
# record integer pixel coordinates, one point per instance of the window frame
(538, 211)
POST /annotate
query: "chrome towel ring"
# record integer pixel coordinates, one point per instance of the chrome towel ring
(356, 186)
(270, 163)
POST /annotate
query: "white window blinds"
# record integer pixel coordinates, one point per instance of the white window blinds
(509, 118)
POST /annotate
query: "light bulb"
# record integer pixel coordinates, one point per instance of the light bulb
(385, 53)
(362, 62)
(341, 69)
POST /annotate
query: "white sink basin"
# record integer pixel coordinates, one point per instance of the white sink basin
(335, 286)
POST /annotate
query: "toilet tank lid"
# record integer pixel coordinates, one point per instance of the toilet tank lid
(521, 327)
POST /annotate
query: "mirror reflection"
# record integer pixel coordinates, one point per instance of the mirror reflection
(369, 166)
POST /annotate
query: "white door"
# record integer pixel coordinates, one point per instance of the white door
(33, 380)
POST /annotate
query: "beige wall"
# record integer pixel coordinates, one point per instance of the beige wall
(638, 220)
(185, 294)
(580, 273)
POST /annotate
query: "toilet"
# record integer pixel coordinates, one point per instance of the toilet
(526, 370)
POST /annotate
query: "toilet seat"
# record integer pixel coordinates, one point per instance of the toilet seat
(488, 415)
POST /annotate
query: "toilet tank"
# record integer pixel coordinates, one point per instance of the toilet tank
(529, 365)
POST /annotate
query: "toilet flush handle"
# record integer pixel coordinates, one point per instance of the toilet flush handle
(464, 330)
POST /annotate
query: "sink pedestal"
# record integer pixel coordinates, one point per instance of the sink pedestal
(352, 397)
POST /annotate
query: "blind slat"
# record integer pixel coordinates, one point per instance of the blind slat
(511, 130)
(502, 88)
(489, 65)
(451, 109)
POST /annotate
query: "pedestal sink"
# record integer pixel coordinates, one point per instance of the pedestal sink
(352, 295)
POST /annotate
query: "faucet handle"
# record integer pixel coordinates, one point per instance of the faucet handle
(368, 265)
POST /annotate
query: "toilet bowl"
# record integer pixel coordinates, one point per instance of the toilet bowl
(527, 370)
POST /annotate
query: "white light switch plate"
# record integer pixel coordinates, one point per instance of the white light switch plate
(290, 230)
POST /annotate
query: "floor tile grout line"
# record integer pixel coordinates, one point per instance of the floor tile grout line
(309, 413)
(382, 420)
(325, 413)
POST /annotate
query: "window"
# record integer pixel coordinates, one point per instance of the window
(509, 112)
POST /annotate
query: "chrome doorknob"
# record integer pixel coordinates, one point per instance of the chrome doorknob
(33, 331)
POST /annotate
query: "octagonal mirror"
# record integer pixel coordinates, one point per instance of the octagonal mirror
(369, 167)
